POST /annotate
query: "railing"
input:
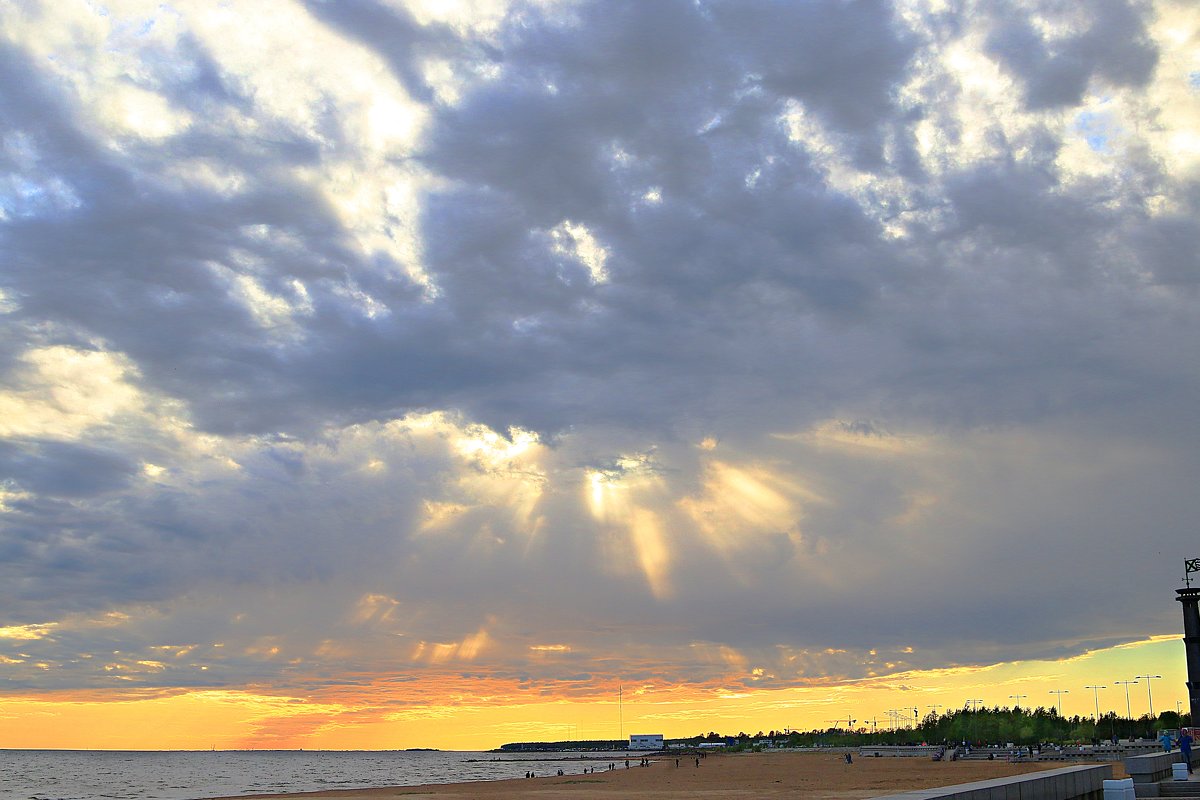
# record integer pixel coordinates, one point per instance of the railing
(1065, 783)
(909, 751)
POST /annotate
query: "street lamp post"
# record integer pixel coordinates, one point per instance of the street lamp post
(974, 705)
(1126, 684)
(1149, 696)
(1060, 693)
(1018, 698)
(1096, 697)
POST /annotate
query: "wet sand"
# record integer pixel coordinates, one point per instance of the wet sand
(815, 776)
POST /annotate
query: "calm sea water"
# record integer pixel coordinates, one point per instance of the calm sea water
(109, 775)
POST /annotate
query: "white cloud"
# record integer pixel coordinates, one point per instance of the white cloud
(64, 391)
(574, 239)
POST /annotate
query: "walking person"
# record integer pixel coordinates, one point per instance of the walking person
(1185, 748)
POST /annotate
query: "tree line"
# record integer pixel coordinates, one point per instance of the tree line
(1020, 726)
(998, 725)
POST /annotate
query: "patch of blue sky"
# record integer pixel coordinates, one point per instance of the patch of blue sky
(19, 147)
(24, 198)
(1097, 128)
(1194, 79)
(152, 21)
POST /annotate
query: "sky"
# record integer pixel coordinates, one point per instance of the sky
(419, 373)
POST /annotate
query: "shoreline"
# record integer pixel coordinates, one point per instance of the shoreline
(535, 756)
(819, 776)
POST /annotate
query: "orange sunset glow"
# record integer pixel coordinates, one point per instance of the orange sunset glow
(479, 713)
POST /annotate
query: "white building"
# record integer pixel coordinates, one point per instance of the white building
(646, 741)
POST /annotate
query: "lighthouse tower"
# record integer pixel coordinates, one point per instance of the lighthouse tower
(1190, 598)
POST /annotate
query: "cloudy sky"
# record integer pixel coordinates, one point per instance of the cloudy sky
(376, 364)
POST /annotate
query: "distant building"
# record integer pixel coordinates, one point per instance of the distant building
(646, 741)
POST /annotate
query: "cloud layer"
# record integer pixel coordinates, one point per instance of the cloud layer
(565, 342)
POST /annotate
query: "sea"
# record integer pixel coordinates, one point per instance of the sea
(192, 775)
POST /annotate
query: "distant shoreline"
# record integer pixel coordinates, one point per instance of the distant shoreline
(812, 775)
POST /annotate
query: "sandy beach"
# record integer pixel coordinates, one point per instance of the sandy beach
(820, 776)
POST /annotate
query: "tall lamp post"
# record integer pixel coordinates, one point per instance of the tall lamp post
(1126, 684)
(1018, 698)
(1096, 697)
(1060, 693)
(974, 706)
(1149, 696)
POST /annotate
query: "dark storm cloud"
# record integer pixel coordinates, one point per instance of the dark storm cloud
(67, 554)
(696, 113)
(1165, 245)
(843, 60)
(61, 469)
(393, 33)
(79, 546)
(1113, 47)
(583, 125)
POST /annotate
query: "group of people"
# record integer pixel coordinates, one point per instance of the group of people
(1183, 742)
(645, 762)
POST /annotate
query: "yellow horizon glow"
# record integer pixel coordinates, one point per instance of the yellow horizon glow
(453, 713)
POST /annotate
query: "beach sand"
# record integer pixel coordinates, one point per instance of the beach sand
(816, 776)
